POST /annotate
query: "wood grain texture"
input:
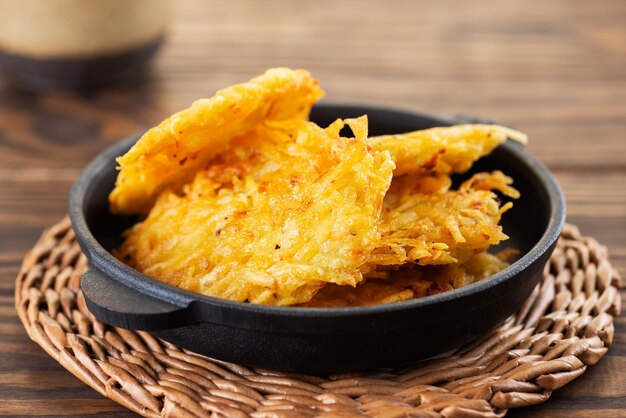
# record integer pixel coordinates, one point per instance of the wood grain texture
(556, 70)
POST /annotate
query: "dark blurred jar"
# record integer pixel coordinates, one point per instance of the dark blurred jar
(79, 44)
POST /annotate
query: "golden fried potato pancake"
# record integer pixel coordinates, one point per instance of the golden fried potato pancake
(168, 155)
(408, 282)
(247, 200)
(444, 227)
(443, 150)
(286, 209)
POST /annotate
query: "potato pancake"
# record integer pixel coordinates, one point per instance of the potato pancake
(442, 226)
(444, 150)
(286, 210)
(409, 282)
(168, 155)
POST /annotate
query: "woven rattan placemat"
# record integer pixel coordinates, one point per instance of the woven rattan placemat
(565, 326)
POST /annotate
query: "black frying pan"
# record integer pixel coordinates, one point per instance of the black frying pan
(319, 339)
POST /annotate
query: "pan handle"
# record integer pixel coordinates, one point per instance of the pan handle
(116, 304)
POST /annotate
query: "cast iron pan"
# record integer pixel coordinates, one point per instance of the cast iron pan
(319, 340)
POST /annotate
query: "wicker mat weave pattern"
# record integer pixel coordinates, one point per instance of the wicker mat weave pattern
(565, 326)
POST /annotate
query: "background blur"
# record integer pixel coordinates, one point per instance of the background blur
(553, 69)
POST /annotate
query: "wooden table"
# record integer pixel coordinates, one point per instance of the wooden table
(556, 70)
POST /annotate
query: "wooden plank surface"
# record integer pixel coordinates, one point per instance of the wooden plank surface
(556, 70)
